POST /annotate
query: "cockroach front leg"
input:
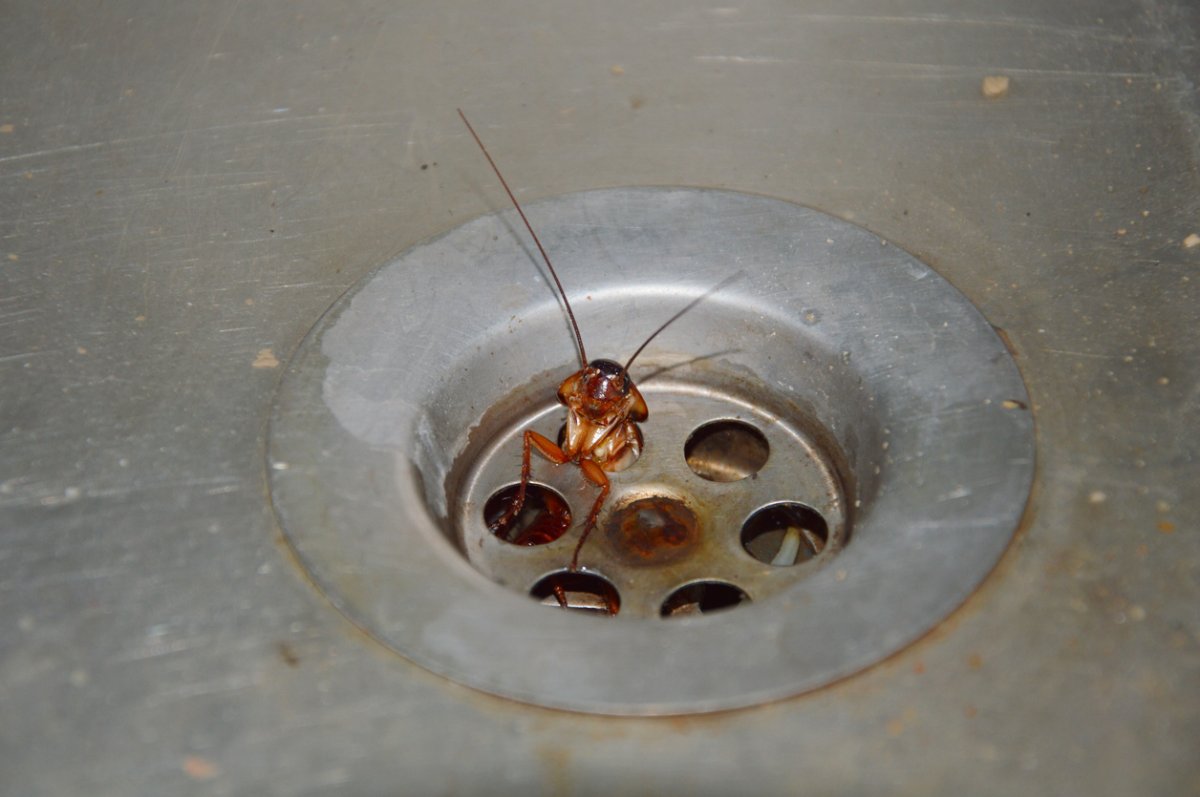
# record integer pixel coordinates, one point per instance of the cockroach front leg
(595, 474)
(551, 452)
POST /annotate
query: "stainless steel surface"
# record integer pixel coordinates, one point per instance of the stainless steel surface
(185, 188)
(384, 449)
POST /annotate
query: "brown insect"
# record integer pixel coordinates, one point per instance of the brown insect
(603, 405)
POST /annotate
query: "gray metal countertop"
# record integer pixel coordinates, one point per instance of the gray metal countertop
(185, 188)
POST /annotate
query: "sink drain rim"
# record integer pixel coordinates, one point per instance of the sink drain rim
(463, 626)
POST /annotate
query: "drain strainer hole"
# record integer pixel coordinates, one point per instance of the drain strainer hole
(785, 534)
(726, 451)
(585, 592)
(543, 518)
(703, 597)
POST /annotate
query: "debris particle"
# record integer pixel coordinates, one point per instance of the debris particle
(1137, 613)
(995, 86)
(6, 128)
(80, 350)
(840, 575)
(1097, 497)
(265, 359)
(975, 661)
(200, 768)
(1192, 241)
(288, 654)
(1012, 404)
(1162, 380)
(617, 70)
(1166, 527)
(13, 257)
(1121, 232)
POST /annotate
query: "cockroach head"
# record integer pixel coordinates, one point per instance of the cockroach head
(607, 378)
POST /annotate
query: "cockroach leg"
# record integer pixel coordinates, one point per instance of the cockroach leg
(551, 451)
(595, 474)
(560, 595)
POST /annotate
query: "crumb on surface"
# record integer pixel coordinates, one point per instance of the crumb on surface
(265, 359)
(1192, 241)
(995, 86)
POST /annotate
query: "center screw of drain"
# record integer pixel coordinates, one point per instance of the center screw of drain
(650, 531)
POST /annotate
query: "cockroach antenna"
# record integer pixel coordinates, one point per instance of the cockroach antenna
(570, 313)
(675, 317)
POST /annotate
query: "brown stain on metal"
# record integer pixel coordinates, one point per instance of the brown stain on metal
(1006, 340)
(655, 530)
(287, 654)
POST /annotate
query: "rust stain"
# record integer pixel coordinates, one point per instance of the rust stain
(1006, 340)
(556, 760)
(653, 531)
(200, 768)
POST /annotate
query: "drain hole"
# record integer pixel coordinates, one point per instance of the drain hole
(726, 451)
(580, 591)
(630, 457)
(702, 597)
(544, 518)
(785, 534)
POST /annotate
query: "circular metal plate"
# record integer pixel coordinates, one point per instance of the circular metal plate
(916, 393)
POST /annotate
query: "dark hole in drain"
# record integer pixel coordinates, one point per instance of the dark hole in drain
(544, 518)
(585, 592)
(620, 465)
(785, 534)
(726, 451)
(703, 597)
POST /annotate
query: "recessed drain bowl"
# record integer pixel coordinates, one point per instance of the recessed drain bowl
(836, 455)
(667, 521)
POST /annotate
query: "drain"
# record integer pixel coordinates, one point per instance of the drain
(839, 405)
(673, 517)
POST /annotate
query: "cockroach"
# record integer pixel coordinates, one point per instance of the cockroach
(604, 407)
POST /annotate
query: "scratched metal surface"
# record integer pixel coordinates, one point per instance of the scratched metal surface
(184, 188)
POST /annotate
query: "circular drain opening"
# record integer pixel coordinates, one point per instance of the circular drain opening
(586, 592)
(703, 597)
(543, 518)
(785, 534)
(726, 451)
(887, 403)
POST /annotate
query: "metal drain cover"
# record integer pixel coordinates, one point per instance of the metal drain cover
(881, 414)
